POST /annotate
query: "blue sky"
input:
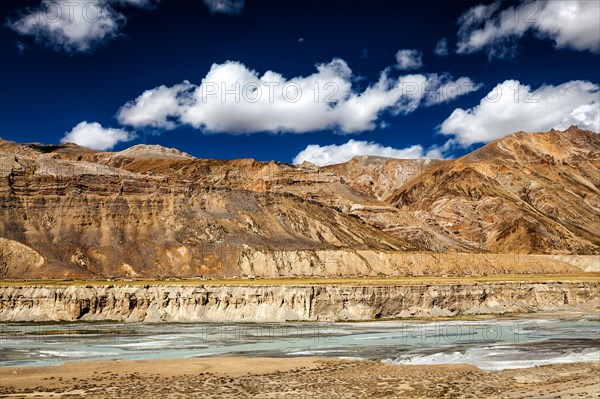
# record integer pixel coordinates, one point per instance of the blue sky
(404, 79)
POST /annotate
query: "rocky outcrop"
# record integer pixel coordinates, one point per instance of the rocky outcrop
(281, 303)
(16, 257)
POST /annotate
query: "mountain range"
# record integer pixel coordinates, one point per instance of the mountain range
(148, 211)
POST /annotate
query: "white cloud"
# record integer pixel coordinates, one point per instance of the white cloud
(474, 16)
(230, 7)
(570, 24)
(409, 59)
(94, 136)
(74, 26)
(235, 99)
(156, 107)
(441, 48)
(331, 154)
(512, 107)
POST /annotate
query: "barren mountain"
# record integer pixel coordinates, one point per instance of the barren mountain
(526, 192)
(151, 211)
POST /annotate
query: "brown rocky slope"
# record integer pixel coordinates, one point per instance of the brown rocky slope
(149, 211)
(525, 193)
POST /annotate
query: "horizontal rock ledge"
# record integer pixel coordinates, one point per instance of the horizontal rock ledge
(172, 303)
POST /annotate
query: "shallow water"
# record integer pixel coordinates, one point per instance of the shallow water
(490, 344)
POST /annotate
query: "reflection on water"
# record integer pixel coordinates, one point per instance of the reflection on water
(490, 344)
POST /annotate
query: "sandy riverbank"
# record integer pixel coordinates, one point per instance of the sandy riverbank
(225, 377)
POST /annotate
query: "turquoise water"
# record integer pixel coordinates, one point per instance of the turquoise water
(489, 344)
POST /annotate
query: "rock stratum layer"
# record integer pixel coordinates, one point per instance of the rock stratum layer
(152, 212)
(155, 303)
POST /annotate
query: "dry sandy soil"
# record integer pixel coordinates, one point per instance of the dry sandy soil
(295, 378)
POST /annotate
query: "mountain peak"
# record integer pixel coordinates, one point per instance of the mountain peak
(527, 147)
(153, 151)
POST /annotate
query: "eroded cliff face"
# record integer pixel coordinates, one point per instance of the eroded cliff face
(358, 263)
(285, 303)
(87, 220)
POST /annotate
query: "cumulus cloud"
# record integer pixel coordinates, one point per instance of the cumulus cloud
(70, 26)
(512, 106)
(81, 26)
(441, 48)
(331, 154)
(230, 7)
(74, 26)
(93, 135)
(158, 107)
(409, 59)
(569, 24)
(235, 99)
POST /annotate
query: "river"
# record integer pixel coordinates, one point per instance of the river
(491, 344)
